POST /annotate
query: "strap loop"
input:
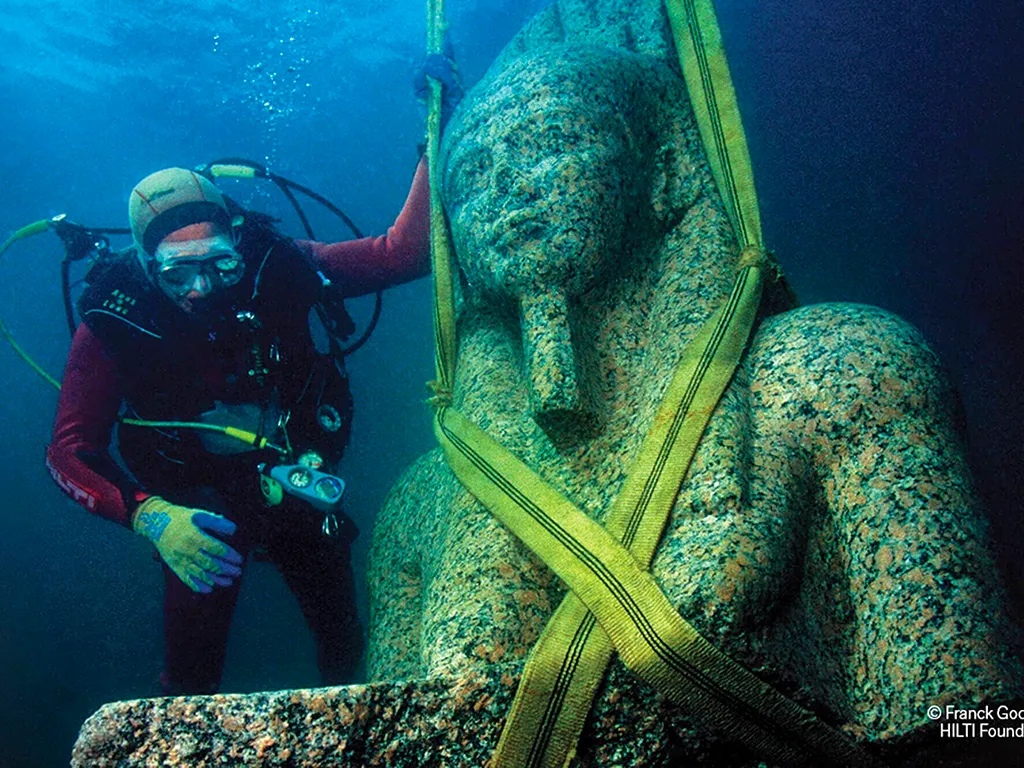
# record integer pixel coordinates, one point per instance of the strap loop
(754, 256)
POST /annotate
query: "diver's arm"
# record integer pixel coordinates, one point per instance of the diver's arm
(372, 263)
(78, 457)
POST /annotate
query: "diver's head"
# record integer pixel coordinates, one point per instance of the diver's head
(183, 236)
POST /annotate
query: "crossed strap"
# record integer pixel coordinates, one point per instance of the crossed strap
(614, 604)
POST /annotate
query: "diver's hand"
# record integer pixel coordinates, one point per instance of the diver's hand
(198, 559)
(441, 67)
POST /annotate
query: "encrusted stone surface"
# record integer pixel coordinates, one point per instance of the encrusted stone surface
(445, 721)
(827, 535)
(440, 722)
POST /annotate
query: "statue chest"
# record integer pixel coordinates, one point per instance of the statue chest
(728, 560)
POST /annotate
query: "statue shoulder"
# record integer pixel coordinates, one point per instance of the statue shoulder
(835, 367)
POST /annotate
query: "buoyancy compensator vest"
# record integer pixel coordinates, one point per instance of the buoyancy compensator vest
(260, 355)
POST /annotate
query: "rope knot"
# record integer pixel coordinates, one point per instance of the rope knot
(753, 256)
(441, 396)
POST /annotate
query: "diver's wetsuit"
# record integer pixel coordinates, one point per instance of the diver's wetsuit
(155, 361)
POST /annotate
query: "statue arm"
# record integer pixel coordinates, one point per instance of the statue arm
(397, 589)
(922, 622)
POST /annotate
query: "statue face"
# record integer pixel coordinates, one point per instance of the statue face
(536, 188)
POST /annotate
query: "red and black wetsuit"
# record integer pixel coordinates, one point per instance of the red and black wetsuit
(117, 358)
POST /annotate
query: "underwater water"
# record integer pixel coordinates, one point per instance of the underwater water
(886, 145)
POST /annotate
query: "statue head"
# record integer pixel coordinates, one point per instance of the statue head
(557, 171)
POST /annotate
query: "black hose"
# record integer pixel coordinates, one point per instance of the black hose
(378, 305)
(323, 201)
(65, 284)
(286, 186)
(298, 208)
(110, 231)
(282, 182)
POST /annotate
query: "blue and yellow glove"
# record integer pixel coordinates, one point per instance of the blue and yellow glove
(441, 67)
(198, 559)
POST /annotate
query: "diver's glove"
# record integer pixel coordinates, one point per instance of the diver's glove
(441, 67)
(198, 559)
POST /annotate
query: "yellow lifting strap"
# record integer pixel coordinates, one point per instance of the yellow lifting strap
(615, 603)
(705, 69)
(569, 660)
(440, 245)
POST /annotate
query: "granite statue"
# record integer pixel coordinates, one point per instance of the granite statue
(828, 535)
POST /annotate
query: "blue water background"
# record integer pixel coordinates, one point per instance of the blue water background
(886, 143)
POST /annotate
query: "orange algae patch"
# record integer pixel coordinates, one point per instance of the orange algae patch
(883, 559)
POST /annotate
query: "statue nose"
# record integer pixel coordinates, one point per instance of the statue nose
(552, 366)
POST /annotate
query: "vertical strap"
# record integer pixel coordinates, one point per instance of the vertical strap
(706, 71)
(440, 243)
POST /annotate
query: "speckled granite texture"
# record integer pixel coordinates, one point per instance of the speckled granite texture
(436, 722)
(827, 536)
(443, 722)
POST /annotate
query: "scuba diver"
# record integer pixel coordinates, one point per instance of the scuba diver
(211, 324)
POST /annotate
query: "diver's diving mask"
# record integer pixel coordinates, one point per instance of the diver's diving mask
(182, 266)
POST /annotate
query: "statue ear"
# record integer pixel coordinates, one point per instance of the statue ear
(673, 184)
(663, 184)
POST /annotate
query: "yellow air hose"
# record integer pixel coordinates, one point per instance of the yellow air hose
(233, 170)
(35, 228)
(250, 438)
